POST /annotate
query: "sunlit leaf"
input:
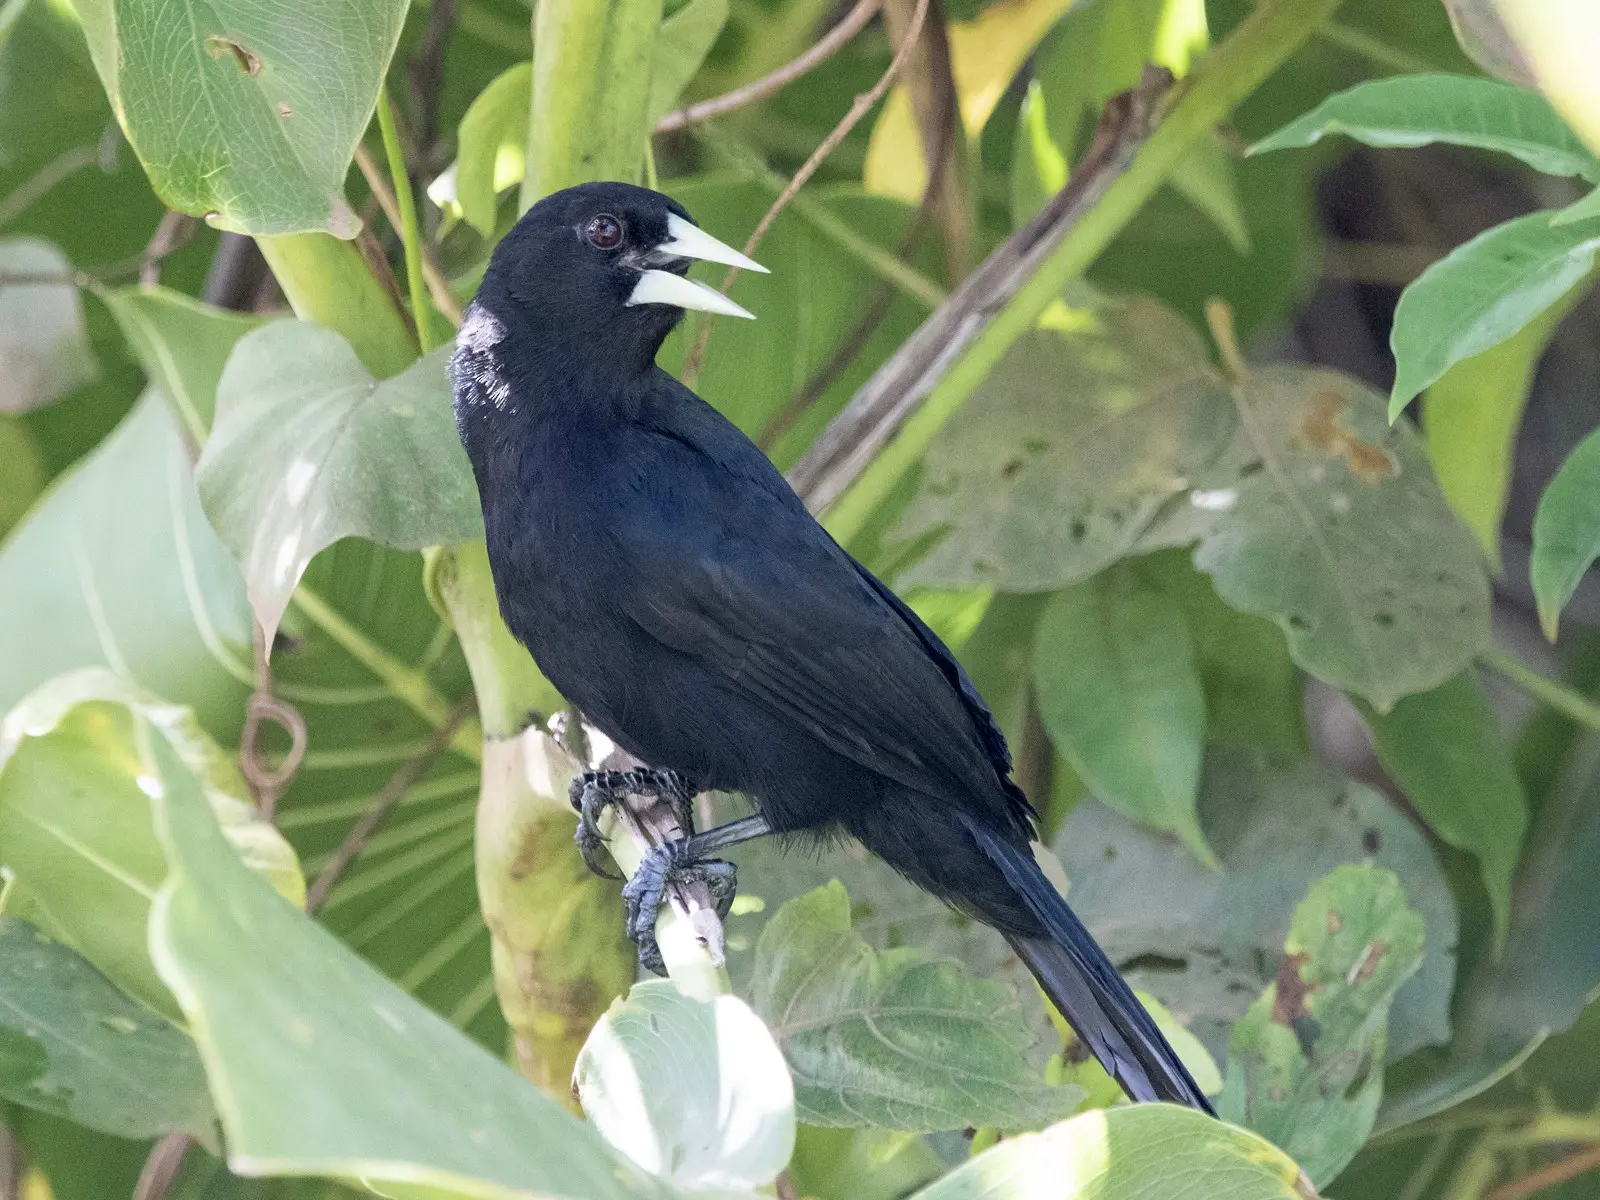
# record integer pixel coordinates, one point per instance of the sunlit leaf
(493, 145)
(44, 348)
(245, 114)
(308, 448)
(75, 819)
(1566, 532)
(1414, 110)
(884, 1038)
(1120, 694)
(104, 1061)
(1482, 293)
(1445, 750)
(1305, 1065)
(320, 1065)
(1206, 943)
(695, 1092)
(1142, 1152)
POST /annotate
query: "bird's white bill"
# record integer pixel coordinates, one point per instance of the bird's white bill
(663, 287)
(688, 240)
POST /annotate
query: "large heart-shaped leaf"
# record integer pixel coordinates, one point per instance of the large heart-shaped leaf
(1305, 1065)
(695, 1092)
(244, 113)
(308, 448)
(102, 1060)
(885, 1038)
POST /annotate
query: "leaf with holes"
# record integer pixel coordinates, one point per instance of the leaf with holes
(1139, 1152)
(882, 1038)
(245, 113)
(1482, 293)
(1416, 110)
(75, 819)
(309, 448)
(1120, 695)
(1305, 1065)
(102, 1060)
(1069, 449)
(1205, 943)
(695, 1092)
(1328, 520)
(44, 348)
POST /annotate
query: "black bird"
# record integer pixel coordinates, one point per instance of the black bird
(671, 585)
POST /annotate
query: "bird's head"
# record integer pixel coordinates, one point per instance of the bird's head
(604, 266)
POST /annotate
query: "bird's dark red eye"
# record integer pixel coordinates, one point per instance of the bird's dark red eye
(604, 232)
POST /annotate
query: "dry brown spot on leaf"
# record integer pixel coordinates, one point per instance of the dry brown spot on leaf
(284, 110)
(1289, 999)
(218, 44)
(1364, 966)
(1321, 429)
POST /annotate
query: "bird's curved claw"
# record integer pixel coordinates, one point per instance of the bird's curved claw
(643, 895)
(594, 791)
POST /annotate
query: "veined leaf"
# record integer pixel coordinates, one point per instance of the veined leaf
(881, 1038)
(1566, 532)
(245, 114)
(1305, 1066)
(102, 1060)
(1483, 292)
(1415, 110)
(308, 448)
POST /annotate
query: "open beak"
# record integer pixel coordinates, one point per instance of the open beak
(686, 240)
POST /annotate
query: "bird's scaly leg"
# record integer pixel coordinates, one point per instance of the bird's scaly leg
(684, 860)
(594, 791)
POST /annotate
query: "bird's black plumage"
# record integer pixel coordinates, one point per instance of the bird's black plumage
(672, 586)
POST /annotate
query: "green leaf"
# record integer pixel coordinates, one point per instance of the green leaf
(1326, 519)
(104, 1061)
(492, 145)
(75, 819)
(1445, 750)
(1415, 110)
(1470, 419)
(308, 448)
(1305, 1066)
(1566, 532)
(1205, 178)
(880, 1038)
(695, 1093)
(1580, 210)
(1206, 943)
(119, 564)
(681, 46)
(1038, 167)
(1067, 452)
(1120, 694)
(245, 114)
(23, 474)
(44, 347)
(321, 1066)
(1141, 1152)
(182, 344)
(1483, 292)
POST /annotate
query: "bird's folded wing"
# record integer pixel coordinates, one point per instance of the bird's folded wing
(805, 636)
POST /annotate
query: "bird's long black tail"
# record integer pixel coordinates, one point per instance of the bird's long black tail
(1087, 989)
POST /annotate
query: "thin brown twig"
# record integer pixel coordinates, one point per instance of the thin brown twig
(68, 162)
(883, 404)
(161, 1167)
(172, 231)
(1548, 1176)
(267, 781)
(438, 287)
(774, 81)
(862, 105)
(401, 782)
(89, 278)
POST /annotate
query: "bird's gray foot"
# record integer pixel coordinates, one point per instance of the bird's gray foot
(643, 895)
(594, 791)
